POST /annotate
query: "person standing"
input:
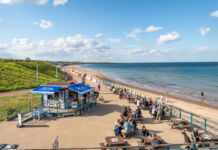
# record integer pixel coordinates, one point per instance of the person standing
(202, 96)
(99, 87)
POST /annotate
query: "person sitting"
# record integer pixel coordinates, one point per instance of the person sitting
(125, 112)
(196, 134)
(122, 120)
(145, 132)
(133, 122)
(117, 128)
(138, 113)
(154, 140)
(127, 129)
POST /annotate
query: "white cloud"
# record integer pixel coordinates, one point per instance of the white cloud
(114, 41)
(35, 23)
(153, 28)
(59, 2)
(45, 24)
(153, 51)
(99, 35)
(214, 14)
(69, 48)
(204, 31)
(138, 50)
(203, 48)
(134, 33)
(168, 38)
(11, 2)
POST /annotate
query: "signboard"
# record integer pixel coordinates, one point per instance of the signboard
(74, 105)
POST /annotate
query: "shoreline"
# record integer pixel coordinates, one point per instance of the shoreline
(105, 77)
(173, 100)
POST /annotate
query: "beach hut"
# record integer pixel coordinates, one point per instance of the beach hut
(65, 100)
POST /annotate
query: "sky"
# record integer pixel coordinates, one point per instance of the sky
(110, 30)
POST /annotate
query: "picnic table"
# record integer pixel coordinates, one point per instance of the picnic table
(209, 137)
(147, 140)
(179, 123)
(115, 141)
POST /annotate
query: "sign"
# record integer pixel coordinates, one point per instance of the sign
(55, 144)
(84, 79)
(74, 105)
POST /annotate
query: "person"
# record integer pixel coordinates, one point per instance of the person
(133, 122)
(125, 112)
(138, 103)
(159, 113)
(150, 102)
(127, 129)
(122, 120)
(196, 134)
(99, 87)
(138, 113)
(202, 96)
(153, 112)
(162, 97)
(145, 131)
(117, 128)
(154, 139)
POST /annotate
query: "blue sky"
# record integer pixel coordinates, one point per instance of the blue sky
(110, 30)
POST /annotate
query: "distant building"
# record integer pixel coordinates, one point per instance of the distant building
(27, 59)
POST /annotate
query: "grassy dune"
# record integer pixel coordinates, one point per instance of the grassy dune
(17, 74)
(17, 101)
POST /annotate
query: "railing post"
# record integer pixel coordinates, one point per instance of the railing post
(205, 125)
(191, 119)
(194, 147)
(168, 148)
(171, 110)
(180, 113)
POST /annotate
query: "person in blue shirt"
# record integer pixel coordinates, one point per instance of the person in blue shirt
(138, 113)
(127, 128)
(117, 128)
(133, 122)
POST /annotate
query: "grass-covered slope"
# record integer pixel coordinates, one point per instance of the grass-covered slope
(17, 74)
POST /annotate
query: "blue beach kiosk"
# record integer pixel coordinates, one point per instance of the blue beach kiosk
(69, 100)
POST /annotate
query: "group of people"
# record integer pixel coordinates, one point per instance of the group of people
(159, 111)
(126, 124)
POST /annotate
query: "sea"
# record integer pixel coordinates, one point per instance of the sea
(184, 79)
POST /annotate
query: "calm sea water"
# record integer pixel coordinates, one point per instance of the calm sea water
(185, 80)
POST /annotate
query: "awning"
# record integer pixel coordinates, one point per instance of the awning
(50, 90)
(80, 88)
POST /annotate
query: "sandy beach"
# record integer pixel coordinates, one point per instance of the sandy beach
(200, 109)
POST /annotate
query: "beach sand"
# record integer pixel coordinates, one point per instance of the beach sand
(200, 109)
(87, 130)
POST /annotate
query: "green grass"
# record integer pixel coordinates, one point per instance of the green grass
(18, 102)
(19, 74)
